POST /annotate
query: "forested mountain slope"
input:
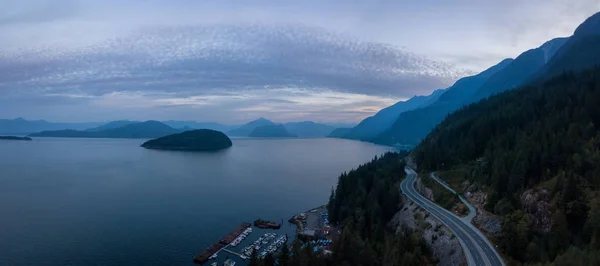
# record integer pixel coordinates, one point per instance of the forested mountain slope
(411, 126)
(371, 126)
(519, 70)
(362, 205)
(544, 136)
(580, 52)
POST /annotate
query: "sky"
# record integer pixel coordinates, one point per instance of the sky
(232, 61)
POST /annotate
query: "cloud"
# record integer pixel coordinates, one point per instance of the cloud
(217, 65)
(231, 59)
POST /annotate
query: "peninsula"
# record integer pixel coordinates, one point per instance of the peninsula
(193, 140)
(14, 138)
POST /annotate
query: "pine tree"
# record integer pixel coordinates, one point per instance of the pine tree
(284, 256)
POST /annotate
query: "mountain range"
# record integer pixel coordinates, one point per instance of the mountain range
(305, 129)
(143, 130)
(20, 126)
(412, 124)
(532, 150)
(374, 125)
(154, 129)
(271, 131)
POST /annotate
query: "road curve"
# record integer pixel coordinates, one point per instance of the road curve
(472, 211)
(477, 249)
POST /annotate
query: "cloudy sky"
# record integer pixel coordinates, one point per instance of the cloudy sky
(234, 60)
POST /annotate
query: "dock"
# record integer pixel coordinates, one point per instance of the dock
(232, 252)
(206, 254)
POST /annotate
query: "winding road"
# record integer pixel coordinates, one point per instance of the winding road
(477, 249)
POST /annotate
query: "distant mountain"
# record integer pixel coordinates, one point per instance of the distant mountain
(339, 132)
(200, 125)
(340, 125)
(308, 129)
(271, 131)
(194, 140)
(148, 129)
(519, 70)
(411, 126)
(578, 53)
(20, 126)
(384, 119)
(113, 124)
(245, 130)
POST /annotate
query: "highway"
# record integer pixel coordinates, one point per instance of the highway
(478, 250)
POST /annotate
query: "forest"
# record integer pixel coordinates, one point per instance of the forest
(361, 205)
(543, 137)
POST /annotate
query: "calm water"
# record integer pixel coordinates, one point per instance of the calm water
(110, 202)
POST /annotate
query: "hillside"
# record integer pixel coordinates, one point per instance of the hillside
(339, 132)
(308, 129)
(245, 130)
(20, 126)
(411, 126)
(575, 53)
(578, 53)
(519, 70)
(194, 140)
(148, 129)
(371, 126)
(199, 125)
(538, 140)
(112, 125)
(271, 131)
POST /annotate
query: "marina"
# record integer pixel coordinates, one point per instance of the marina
(212, 251)
(266, 244)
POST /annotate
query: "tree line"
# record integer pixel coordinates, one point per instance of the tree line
(361, 206)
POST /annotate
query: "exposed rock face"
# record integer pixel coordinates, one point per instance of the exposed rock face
(535, 203)
(410, 162)
(488, 223)
(423, 190)
(445, 247)
(483, 220)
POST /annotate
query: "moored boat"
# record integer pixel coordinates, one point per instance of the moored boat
(264, 224)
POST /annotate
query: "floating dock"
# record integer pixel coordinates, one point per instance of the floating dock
(203, 256)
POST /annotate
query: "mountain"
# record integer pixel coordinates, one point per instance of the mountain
(113, 124)
(20, 126)
(339, 125)
(194, 140)
(308, 129)
(339, 132)
(520, 69)
(199, 125)
(411, 126)
(578, 53)
(245, 130)
(384, 119)
(148, 129)
(271, 131)
(527, 148)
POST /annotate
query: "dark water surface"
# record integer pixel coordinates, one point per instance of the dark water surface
(110, 202)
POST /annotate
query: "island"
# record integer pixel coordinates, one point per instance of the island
(14, 138)
(271, 131)
(193, 140)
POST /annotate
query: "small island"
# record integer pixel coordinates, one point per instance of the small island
(193, 140)
(14, 138)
